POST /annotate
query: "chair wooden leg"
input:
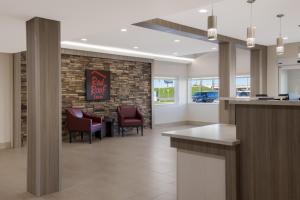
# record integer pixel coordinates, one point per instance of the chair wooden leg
(70, 135)
(137, 130)
(119, 130)
(142, 130)
(81, 133)
(91, 134)
(122, 131)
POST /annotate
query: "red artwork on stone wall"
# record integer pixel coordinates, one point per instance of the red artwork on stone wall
(97, 85)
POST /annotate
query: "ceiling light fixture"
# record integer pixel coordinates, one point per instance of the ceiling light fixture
(212, 32)
(279, 41)
(175, 53)
(136, 47)
(202, 11)
(285, 38)
(84, 39)
(177, 41)
(123, 30)
(120, 51)
(251, 29)
(298, 52)
(214, 48)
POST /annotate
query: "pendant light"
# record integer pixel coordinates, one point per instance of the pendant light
(212, 32)
(280, 43)
(251, 29)
(298, 52)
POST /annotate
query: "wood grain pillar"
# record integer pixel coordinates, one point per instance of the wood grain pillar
(258, 71)
(44, 106)
(17, 133)
(227, 74)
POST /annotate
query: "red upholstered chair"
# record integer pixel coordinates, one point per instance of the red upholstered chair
(78, 121)
(130, 116)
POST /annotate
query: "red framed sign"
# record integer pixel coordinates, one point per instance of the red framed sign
(97, 85)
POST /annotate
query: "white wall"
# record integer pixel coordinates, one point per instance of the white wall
(207, 65)
(291, 52)
(283, 79)
(243, 57)
(163, 114)
(294, 81)
(6, 98)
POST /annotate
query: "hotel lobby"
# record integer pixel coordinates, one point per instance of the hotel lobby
(149, 100)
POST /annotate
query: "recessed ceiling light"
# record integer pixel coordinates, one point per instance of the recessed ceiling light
(83, 39)
(123, 30)
(136, 47)
(202, 11)
(120, 51)
(175, 53)
(285, 38)
(177, 41)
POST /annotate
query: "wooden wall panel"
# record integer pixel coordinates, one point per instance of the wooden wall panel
(269, 151)
(44, 106)
(258, 71)
(227, 74)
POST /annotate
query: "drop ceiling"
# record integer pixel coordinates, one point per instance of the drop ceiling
(100, 21)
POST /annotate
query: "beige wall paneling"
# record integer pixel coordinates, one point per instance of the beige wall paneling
(227, 73)
(44, 106)
(258, 71)
(17, 101)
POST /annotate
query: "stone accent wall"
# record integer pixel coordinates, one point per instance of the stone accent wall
(130, 84)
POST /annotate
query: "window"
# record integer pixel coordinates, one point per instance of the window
(243, 86)
(164, 91)
(205, 90)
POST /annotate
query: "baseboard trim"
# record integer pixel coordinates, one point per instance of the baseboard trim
(198, 123)
(5, 145)
(166, 125)
(182, 123)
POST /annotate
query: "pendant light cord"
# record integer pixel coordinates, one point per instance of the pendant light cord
(251, 14)
(280, 27)
(212, 7)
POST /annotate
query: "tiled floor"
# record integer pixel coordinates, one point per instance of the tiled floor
(129, 168)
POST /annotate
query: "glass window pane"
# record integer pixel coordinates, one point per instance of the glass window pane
(243, 86)
(164, 91)
(205, 90)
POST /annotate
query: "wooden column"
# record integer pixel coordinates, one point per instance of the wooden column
(227, 87)
(17, 133)
(44, 106)
(258, 71)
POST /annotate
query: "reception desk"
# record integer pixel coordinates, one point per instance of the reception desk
(257, 158)
(269, 132)
(207, 162)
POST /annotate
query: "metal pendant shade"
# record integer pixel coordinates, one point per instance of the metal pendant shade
(279, 41)
(251, 36)
(212, 32)
(280, 46)
(251, 29)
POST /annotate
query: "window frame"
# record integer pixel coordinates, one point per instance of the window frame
(176, 90)
(248, 76)
(190, 100)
